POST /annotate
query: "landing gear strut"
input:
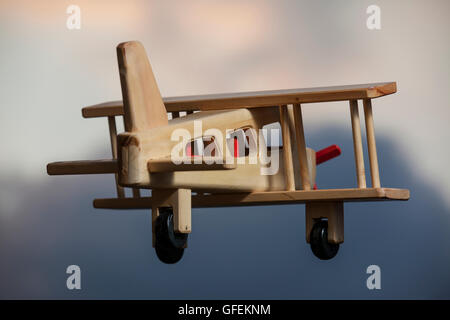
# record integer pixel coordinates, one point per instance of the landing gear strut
(169, 245)
(325, 228)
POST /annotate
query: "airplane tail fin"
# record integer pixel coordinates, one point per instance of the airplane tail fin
(143, 105)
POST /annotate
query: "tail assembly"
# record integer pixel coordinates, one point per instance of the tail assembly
(143, 105)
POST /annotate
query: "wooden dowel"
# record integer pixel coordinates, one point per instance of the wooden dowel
(295, 163)
(136, 193)
(357, 144)
(287, 149)
(113, 138)
(371, 145)
(301, 147)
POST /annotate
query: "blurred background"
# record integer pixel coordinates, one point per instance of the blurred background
(48, 73)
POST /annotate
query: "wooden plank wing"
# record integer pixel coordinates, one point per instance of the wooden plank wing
(256, 99)
(266, 198)
(166, 165)
(110, 166)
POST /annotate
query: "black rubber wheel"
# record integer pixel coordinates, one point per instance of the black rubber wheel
(169, 245)
(320, 246)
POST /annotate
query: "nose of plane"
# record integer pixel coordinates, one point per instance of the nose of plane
(327, 153)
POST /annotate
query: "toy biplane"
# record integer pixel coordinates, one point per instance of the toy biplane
(142, 156)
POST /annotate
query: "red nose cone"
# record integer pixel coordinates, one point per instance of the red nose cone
(327, 153)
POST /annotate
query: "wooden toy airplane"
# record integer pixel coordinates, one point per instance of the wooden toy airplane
(143, 155)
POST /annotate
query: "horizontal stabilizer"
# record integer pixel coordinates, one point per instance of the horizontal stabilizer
(82, 167)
